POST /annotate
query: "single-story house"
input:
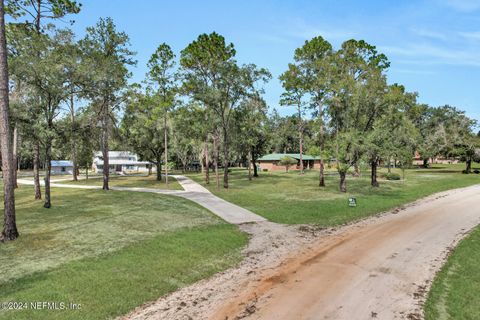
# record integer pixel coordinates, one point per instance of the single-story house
(61, 167)
(121, 162)
(271, 161)
(418, 160)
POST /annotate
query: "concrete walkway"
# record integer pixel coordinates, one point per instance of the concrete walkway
(226, 210)
(192, 191)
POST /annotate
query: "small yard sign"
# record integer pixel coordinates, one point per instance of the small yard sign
(352, 202)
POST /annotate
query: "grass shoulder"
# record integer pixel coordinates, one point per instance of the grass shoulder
(455, 291)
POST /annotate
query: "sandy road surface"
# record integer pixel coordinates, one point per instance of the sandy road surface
(379, 270)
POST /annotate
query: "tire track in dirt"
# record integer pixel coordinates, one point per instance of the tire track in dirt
(380, 267)
(380, 270)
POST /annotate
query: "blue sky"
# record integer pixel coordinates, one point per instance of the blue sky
(433, 45)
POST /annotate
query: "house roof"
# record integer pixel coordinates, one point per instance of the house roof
(115, 154)
(122, 162)
(61, 163)
(120, 158)
(279, 156)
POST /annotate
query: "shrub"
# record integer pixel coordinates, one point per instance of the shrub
(392, 176)
(476, 171)
(264, 170)
(465, 172)
(287, 162)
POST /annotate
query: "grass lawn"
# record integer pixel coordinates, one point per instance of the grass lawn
(294, 199)
(109, 251)
(455, 291)
(139, 181)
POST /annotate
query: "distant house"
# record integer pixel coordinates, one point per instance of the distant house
(271, 161)
(120, 162)
(418, 160)
(61, 167)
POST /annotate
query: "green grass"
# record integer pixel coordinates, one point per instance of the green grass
(109, 251)
(113, 284)
(455, 290)
(294, 199)
(138, 181)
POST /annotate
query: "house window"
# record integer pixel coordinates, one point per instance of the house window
(129, 167)
(64, 169)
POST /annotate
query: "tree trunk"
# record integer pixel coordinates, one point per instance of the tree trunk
(322, 174)
(36, 150)
(250, 166)
(225, 158)
(207, 165)
(425, 163)
(10, 231)
(74, 161)
(215, 160)
(300, 136)
(343, 181)
(159, 168)
(301, 156)
(389, 167)
(149, 170)
(374, 181)
(254, 164)
(36, 170)
(321, 182)
(74, 140)
(166, 148)
(15, 156)
(184, 164)
(356, 170)
(86, 173)
(469, 166)
(106, 163)
(48, 169)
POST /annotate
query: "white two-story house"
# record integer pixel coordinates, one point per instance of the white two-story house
(120, 162)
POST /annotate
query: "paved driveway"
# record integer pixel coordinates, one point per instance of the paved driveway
(192, 191)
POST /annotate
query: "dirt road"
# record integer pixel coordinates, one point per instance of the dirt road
(379, 270)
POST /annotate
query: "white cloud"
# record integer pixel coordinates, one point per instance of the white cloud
(296, 29)
(412, 71)
(475, 35)
(429, 34)
(462, 5)
(428, 54)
